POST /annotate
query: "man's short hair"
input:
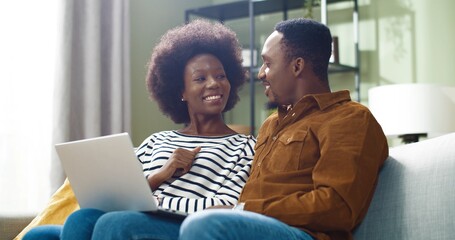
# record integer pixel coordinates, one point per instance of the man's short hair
(308, 39)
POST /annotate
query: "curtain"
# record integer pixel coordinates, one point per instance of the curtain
(53, 89)
(92, 96)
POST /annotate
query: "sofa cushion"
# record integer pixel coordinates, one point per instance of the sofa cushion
(60, 206)
(415, 196)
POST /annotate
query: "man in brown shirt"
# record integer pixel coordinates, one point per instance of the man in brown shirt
(317, 159)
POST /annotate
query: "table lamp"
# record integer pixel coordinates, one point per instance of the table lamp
(410, 111)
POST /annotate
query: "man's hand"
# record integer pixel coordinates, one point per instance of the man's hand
(179, 163)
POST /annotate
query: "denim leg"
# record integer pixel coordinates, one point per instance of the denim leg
(79, 225)
(49, 232)
(135, 225)
(225, 224)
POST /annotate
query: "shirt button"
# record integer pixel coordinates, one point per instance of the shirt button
(274, 138)
(289, 139)
(293, 114)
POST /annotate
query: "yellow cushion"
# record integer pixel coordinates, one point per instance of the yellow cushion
(60, 206)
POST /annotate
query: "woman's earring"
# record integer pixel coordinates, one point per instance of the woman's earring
(183, 100)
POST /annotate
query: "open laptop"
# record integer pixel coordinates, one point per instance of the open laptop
(105, 174)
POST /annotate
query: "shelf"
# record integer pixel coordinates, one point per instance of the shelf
(339, 68)
(251, 8)
(333, 68)
(235, 10)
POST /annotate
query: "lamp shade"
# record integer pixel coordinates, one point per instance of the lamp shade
(403, 109)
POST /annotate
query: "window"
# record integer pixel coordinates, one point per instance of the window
(29, 48)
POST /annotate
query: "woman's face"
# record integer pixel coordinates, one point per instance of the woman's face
(206, 86)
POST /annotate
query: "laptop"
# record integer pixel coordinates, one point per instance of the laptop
(105, 174)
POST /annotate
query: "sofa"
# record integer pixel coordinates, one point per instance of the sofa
(12, 224)
(414, 198)
(415, 195)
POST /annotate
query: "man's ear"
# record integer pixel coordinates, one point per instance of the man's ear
(298, 65)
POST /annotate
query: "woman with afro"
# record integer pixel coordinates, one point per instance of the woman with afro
(194, 74)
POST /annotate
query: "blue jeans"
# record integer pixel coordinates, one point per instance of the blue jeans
(209, 224)
(48, 232)
(231, 224)
(97, 225)
(80, 224)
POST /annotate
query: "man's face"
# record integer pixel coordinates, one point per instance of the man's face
(276, 71)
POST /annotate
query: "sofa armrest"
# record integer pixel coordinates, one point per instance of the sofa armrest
(11, 225)
(414, 198)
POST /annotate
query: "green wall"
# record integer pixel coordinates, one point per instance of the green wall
(400, 42)
(150, 19)
(407, 42)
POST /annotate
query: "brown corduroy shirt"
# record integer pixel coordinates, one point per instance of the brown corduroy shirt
(316, 165)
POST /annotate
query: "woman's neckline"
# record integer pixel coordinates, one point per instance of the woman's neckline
(205, 136)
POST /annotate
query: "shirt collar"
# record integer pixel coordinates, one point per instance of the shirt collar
(325, 100)
(321, 101)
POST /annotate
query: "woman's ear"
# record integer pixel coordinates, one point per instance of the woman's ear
(298, 65)
(183, 96)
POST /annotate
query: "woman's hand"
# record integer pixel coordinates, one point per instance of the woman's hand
(179, 163)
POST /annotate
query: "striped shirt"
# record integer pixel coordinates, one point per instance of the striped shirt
(217, 176)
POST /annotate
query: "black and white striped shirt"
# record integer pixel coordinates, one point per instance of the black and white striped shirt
(216, 177)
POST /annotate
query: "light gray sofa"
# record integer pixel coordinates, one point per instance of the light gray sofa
(415, 196)
(414, 199)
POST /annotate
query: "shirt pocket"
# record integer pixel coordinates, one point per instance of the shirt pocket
(287, 151)
(260, 144)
